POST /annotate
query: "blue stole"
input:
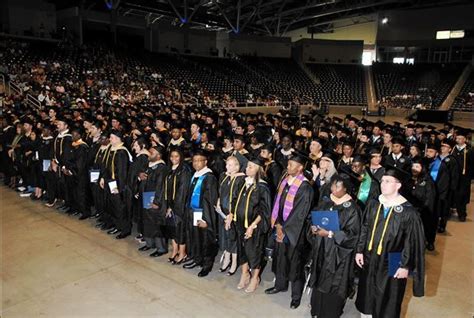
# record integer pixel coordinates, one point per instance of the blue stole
(196, 196)
(385, 212)
(434, 168)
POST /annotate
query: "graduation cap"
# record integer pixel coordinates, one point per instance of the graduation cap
(200, 152)
(401, 175)
(462, 132)
(380, 124)
(299, 157)
(331, 155)
(449, 142)
(398, 140)
(360, 158)
(433, 145)
(259, 161)
(431, 127)
(117, 133)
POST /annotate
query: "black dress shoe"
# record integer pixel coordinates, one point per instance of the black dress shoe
(83, 217)
(295, 304)
(204, 272)
(441, 229)
(112, 231)
(144, 248)
(106, 227)
(122, 236)
(462, 218)
(190, 265)
(273, 290)
(158, 254)
(188, 260)
(75, 213)
(430, 247)
(94, 216)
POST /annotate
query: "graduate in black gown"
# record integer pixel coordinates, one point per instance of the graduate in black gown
(139, 165)
(397, 158)
(446, 147)
(251, 216)
(98, 165)
(79, 179)
(202, 198)
(391, 225)
(441, 176)
(421, 192)
(290, 210)
(366, 186)
(465, 158)
(272, 170)
(62, 151)
(176, 187)
(322, 176)
(332, 267)
(230, 182)
(113, 180)
(154, 218)
(46, 153)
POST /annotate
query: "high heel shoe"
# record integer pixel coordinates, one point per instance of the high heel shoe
(171, 259)
(249, 290)
(176, 262)
(226, 268)
(229, 273)
(245, 283)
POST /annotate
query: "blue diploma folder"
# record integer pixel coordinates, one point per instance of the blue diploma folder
(328, 220)
(148, 198)
(394, 260)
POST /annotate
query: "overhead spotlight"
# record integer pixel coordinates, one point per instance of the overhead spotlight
(384, 20)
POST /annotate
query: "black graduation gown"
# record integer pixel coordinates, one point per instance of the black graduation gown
(78, 182)
(115, 169)
(421, 192)
(216, 164)
(289, 256)
(45, 152)
(465, 159)
(6, 165)
(139, 164)
(62, 150)
(332, 268)
(228, 192)
(98, 163)
(251, 250)
(403, 162)
(273, 172)
(281, 158)
(177, 186)
(454, 173)
(202, 241)
(379, 294)
(154, 220)
(442, 183)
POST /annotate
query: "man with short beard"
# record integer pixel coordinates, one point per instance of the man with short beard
(421, 192)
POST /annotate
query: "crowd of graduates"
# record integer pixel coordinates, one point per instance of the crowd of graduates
(195, 183)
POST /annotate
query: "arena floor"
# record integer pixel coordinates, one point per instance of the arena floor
(54, 265)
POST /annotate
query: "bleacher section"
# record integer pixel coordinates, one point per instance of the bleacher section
(339, 84)
(419, 85)
(465, 100)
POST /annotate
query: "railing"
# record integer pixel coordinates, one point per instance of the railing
(29, 99)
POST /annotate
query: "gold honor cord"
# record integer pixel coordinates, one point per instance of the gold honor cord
(247, 203)
(371, 243)
(174, 188)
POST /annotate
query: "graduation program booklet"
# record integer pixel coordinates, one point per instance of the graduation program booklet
(94, 176)
(113, 186)
(197, 216)
(46, 164)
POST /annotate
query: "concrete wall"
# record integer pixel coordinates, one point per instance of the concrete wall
(327, 51)
(260, 45)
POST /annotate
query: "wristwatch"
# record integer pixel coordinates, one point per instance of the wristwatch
(331, 234)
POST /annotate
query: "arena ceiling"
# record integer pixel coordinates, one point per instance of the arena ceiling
(265, 17)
